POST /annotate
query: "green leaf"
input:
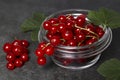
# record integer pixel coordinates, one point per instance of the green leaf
(34, 35)
(110, 69)
(105, 17)
(29, 25)
(33, 24)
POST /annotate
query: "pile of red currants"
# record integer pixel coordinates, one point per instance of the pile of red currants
(16, 53)
(67, 30)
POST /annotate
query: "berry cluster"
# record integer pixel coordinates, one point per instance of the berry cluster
(69, 30)
(17, 53)
(42, 50)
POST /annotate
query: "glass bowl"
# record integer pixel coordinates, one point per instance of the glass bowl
(77, 57)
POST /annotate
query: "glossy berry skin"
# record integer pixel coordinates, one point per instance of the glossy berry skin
(49, 50)
(90, 28)
(18, 63)
(90, 41)
(55, 40)
(17, 50)
(25, 43)
(47, 25)
(77, 31)
(80, 21)
(67, 35)
(41, 61)
(62, 18)
(53, 29)
(17, 42)
(39, 52)
(41, 44)
(70, 17)
(7, 47)
(10, 66)
(49, 35)
(61, 27)
(53, 21)
(80, 37)
(99, 31)
(10, 57)
(67, 62)
(71, 42)
(24, 57)
(69, 24)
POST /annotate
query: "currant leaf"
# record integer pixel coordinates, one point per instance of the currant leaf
(110, 69)
(105, 17)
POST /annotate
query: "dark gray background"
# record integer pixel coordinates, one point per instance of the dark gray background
(12, 14)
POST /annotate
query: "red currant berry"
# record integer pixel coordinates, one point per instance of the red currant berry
(39, 52)
(62, 18)
(67, 62)
(10, 66)
(24, 57)
(67, 35)
(47, 25)
(69, 24)
(90, 41)
(70, 17)
(10, 57)
(77, 31)
(17, 42)
(99, 31)
(17, 50)
(61, 27)
(7, 47)
(18, 63)
(49, 50)
(49, 34)
(41, 45)
(25, 43)
(41, 61)
(53, 29)
(80, 21)
(53, 21)
(55, 40)
(80, 37)
(72, 42)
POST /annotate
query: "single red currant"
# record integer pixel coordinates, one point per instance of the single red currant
(10, 66)
(69, 24)
(17, 50)
(53, 29)
(99, 31)
(55, 40)
(41, 44)
(61, 27)
(47, 25)
(7, 47)
(24, 57)
(18, 63)
(41, 61)
(17, 42)
(67, 35)
(80, 37)
(72, 42)
(53, 21)
(10, 57)
(39, 52)
(80, 21)
(25, 43)
(49, 50)
(62, 18)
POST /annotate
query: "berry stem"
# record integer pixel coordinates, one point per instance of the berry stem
(87, 30)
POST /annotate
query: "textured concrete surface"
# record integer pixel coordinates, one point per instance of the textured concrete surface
(12, 14)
